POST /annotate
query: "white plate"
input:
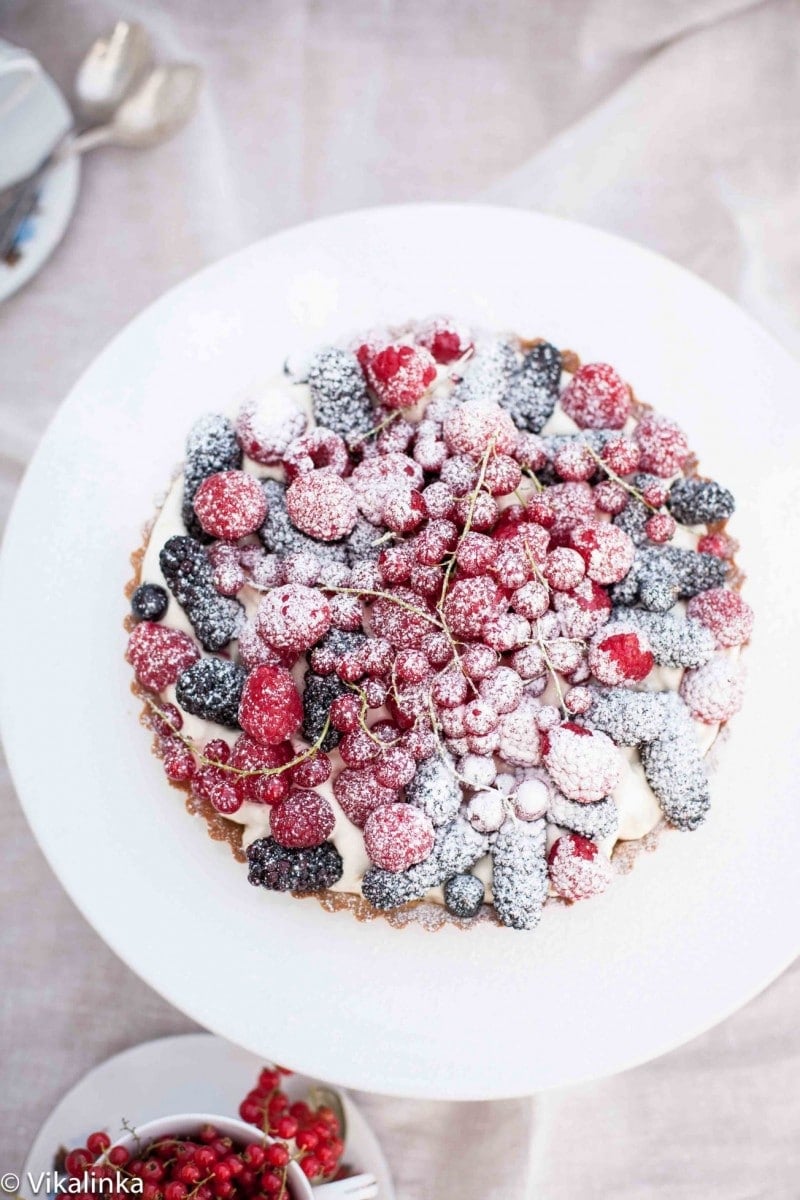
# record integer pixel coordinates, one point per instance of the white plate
(26, 136)
(695, 931)
(193, 1073)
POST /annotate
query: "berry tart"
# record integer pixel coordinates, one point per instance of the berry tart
(441, 622)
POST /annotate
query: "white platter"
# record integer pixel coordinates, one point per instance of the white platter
(195, 1072)
(696, 930)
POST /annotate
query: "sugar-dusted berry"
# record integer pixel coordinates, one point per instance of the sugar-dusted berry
(597, 397)
(399, 374)
(725, 613)
(397, 836)
(303, 819)
(577, 868)
(270, 709)
(584, 765)
(158, 655)
(662, 444)
(322, 505)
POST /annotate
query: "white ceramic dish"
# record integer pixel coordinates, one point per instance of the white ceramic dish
(196, 1072)
(690, 935)
(26, 135)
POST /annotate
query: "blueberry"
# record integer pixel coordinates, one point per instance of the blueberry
(149, 602)
(463, 896)
(211, 688)
(281, 869)
(210, 447)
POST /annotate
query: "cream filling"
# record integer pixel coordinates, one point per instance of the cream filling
(639, 810)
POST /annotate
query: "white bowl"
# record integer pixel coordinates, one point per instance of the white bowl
(692, 933)
(190, 1124)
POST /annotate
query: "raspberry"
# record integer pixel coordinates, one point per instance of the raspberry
(358, 793)
(398, 374)
(292, 618)
(375, 479)
(403, 511)
(606, 550)
(621, 454)
(230, 505)
(322, 505)
(158, 655)
(597, 397)
(519, 738)
(445, 340)
(573, 462)
(318, 450)
(662, 443)
(397, 836)
(725, 613)
(610, 497)
(585, 766)
(302, 820)
(718, 544)
(398, 616)
(660, 527)
(211, 447)
(502, 475)
(472, 426)
(715, 691)
(619, 655)
(266, 425)
(563, 569)
(470, 603)
(270, 709)
(577, 868)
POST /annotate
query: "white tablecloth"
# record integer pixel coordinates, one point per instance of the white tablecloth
(674, 122)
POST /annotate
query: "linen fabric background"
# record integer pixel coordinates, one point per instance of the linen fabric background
(673, 122)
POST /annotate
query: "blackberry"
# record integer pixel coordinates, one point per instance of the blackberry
(282, 869)
(319, 693)
(215, 619)
(533, 390)
(487, 373)
(339, 394)
(597, 820)
(211, 688)
(699, 502)
(676, 641)
(435, 790)
(697, 572)
(519, 876)
(662, 575)
(674, 768)
(279, 536)
(386, 890)
(361, 545)
(627, 716)
(463, 896)
(149, 602)
(633, 519)
(210, 447)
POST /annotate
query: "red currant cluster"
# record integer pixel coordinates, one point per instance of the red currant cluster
(209, 1166)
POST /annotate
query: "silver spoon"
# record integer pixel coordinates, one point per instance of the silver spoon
(110, 68)
(159, 105)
